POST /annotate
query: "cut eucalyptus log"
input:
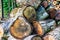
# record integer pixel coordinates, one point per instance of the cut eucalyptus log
(37, 37)
(45, 4)
(57, 7)
(43, 27)
(20, 28)
(34, 3)
(29, 13)
(17, 10)
(52, 12)
(57, 15)
(38, 27)
(58, 22)
(53, 35)
(13, 16)
(49, 7)
(10, 37)
(41, 14)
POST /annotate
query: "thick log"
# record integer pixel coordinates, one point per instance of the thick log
(37, 37)
(17, 10)
(11, 37)
(20, 28)
(38, 27)
(44, 26)
(45, 4)
(15, 13)
(58, 23)
(29, 13)
(34, 3)
(53, 35)
(52, 12)
(55, 2)
(41, 14)
(57, 7)
(57, 15)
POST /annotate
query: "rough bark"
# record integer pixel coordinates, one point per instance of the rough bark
(34, 3)
(53, 35)
(44, 26)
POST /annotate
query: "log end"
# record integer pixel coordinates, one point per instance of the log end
(49, 37)
(38, 28)
(36, 38)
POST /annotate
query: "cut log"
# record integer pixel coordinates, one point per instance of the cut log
(34, 3)
(37, 37)
(52, 12)
(44, 26)
(58, 15)
(53, 35)
(17, 10)
(54, 2)
(58, 23)
(29, 13)
(45, 4)
(41, 14)
(38, 27)
(20, 29)
(11, 37)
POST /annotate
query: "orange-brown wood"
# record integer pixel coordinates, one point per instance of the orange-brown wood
(38, 27)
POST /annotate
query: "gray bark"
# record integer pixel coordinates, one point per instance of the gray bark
(48, 25)
(55, 34)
